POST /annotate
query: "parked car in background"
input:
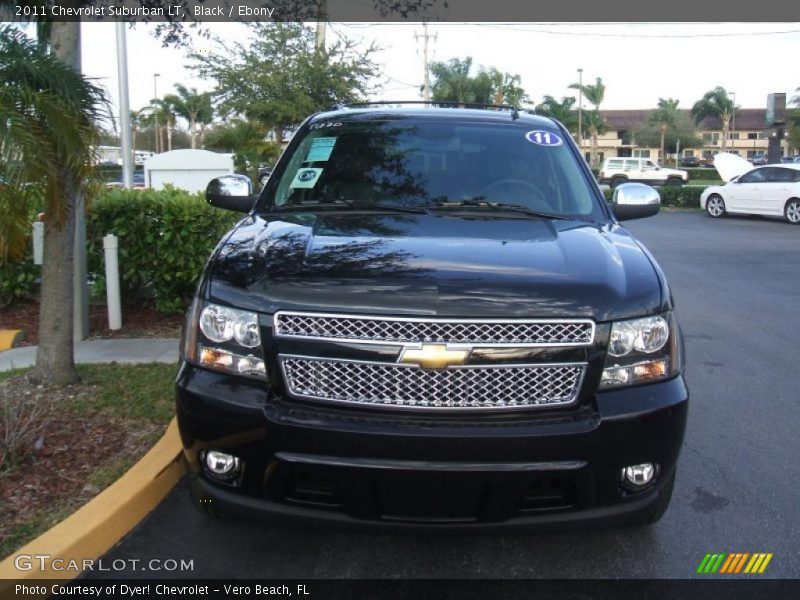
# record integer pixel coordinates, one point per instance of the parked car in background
(263, 175)
(690, 161)
(758, 159)
(138, 181)
(616, 171)
(767, 190)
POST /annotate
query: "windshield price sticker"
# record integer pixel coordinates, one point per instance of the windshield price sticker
(321, 149)
(306, 178)
(543, 138)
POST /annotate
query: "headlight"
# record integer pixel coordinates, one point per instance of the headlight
(222, 324)
(646, 335)
(642, 351)
(224, 339)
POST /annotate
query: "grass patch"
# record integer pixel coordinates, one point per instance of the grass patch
(113, 416)
(131, 391)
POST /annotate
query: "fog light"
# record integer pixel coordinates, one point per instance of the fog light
(221, 466)
(638, 476)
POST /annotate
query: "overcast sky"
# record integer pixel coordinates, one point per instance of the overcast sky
(638, 62)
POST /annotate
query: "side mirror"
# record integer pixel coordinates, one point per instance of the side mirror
(635, 201)
(231, 192)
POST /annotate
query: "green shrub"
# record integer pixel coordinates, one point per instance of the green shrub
(702, 173)
(165, 238)
(685, 196)
(17, 280)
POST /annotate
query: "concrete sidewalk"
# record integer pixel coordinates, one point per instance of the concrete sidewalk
(126, 351)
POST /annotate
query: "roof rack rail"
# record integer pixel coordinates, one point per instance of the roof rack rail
(438, 103)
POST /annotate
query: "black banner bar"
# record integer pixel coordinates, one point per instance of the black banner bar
(405, 589)
(397, 10)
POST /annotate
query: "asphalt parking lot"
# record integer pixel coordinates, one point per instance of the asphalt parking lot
(736, 282)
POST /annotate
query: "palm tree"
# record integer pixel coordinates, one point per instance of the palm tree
(137, 120)
(47, 133)
(562, 111)
(167, 114)
(452, 81)
(665, 116)
(247, 140)
(715, 103)
(595, 94)
(192, 106)
(796, 98)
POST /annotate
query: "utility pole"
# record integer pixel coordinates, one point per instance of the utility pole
(426, 86)
(124, 106)
(322, 22)
(580, 110)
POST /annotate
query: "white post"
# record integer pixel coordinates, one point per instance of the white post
(110, 245)
(38, 242)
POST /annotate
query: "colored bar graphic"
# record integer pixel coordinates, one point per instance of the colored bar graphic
(734, 562)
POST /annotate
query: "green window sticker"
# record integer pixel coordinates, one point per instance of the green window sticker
(306, 178)
(321, 149)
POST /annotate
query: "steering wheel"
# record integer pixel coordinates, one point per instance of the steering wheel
(533, 198)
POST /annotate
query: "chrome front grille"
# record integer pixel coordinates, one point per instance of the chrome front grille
(406, 386)
(401, 330)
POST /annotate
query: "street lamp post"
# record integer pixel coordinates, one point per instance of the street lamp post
(580, 110)
(155, 97)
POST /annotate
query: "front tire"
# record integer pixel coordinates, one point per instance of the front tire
(715, 206)
(792, 211)
(675, 181)
(616, 181)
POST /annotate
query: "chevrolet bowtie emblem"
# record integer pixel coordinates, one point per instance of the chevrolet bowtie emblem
(434, 356)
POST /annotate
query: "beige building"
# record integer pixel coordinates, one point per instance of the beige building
(747, 136)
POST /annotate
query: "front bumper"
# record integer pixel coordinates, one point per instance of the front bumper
(549, 470)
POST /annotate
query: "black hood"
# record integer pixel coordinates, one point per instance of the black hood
(434, 265)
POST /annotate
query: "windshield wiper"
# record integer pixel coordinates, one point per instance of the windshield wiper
(496, 206)
(365, 206)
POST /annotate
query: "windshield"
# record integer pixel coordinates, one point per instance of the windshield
(427, 163)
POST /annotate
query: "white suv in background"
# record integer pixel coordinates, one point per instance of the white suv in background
(643, 170)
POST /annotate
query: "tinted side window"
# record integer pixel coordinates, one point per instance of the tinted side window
(614, 164)
(778, 175)
(754, 176)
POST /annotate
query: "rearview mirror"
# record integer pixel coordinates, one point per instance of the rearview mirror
(231, 192)
(635, 201)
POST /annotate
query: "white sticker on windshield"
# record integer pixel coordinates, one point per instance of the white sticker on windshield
(543, 138)
(321, 149)
(306, 178)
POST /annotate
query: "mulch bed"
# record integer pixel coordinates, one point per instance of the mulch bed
(63, 453)
(137, 322)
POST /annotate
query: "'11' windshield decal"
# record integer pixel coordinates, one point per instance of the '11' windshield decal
(543, 138)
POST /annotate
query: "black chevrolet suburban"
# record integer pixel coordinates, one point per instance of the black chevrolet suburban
(431, 317)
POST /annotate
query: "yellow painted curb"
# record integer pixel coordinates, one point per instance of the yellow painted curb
(8, 337)
(98, 525)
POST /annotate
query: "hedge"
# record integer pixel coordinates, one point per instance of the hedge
(165, 238)
(684, 196)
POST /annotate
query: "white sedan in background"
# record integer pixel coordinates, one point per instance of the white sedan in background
(768, 190)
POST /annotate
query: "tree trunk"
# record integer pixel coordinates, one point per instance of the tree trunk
(593, 155)
(725, 124)
(662, 156)
(133, 145)
(54, 358)
(202, 133)
(169, 137)
(193, 129)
